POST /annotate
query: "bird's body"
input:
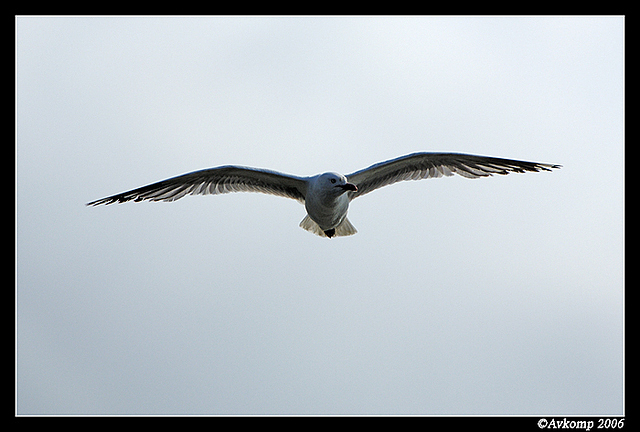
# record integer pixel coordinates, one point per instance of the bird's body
(327, 201)
(326, 196)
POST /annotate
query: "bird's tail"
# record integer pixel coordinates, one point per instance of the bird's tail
(344, 229)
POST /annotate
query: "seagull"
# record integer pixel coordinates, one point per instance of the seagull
(326, 196)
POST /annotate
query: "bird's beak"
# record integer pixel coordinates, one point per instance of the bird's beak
(349, 187)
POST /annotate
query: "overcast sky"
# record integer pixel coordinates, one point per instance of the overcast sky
(501, 295)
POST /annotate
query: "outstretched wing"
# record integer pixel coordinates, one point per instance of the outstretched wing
(419, 166)
(214, 181)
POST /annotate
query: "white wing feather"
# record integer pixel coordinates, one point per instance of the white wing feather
(419, 166)
(215, 181)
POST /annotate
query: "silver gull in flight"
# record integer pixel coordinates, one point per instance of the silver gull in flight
(326, 196)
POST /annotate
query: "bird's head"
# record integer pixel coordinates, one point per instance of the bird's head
(336, 183)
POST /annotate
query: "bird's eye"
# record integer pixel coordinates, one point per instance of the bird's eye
(333, 180)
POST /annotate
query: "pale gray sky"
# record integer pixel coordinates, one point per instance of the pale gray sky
(491, 296)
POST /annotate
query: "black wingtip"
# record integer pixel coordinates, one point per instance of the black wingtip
(549, 167)
(105, 201)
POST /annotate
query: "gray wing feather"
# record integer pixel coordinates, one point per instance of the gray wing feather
(215, 181)
(419, 166)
